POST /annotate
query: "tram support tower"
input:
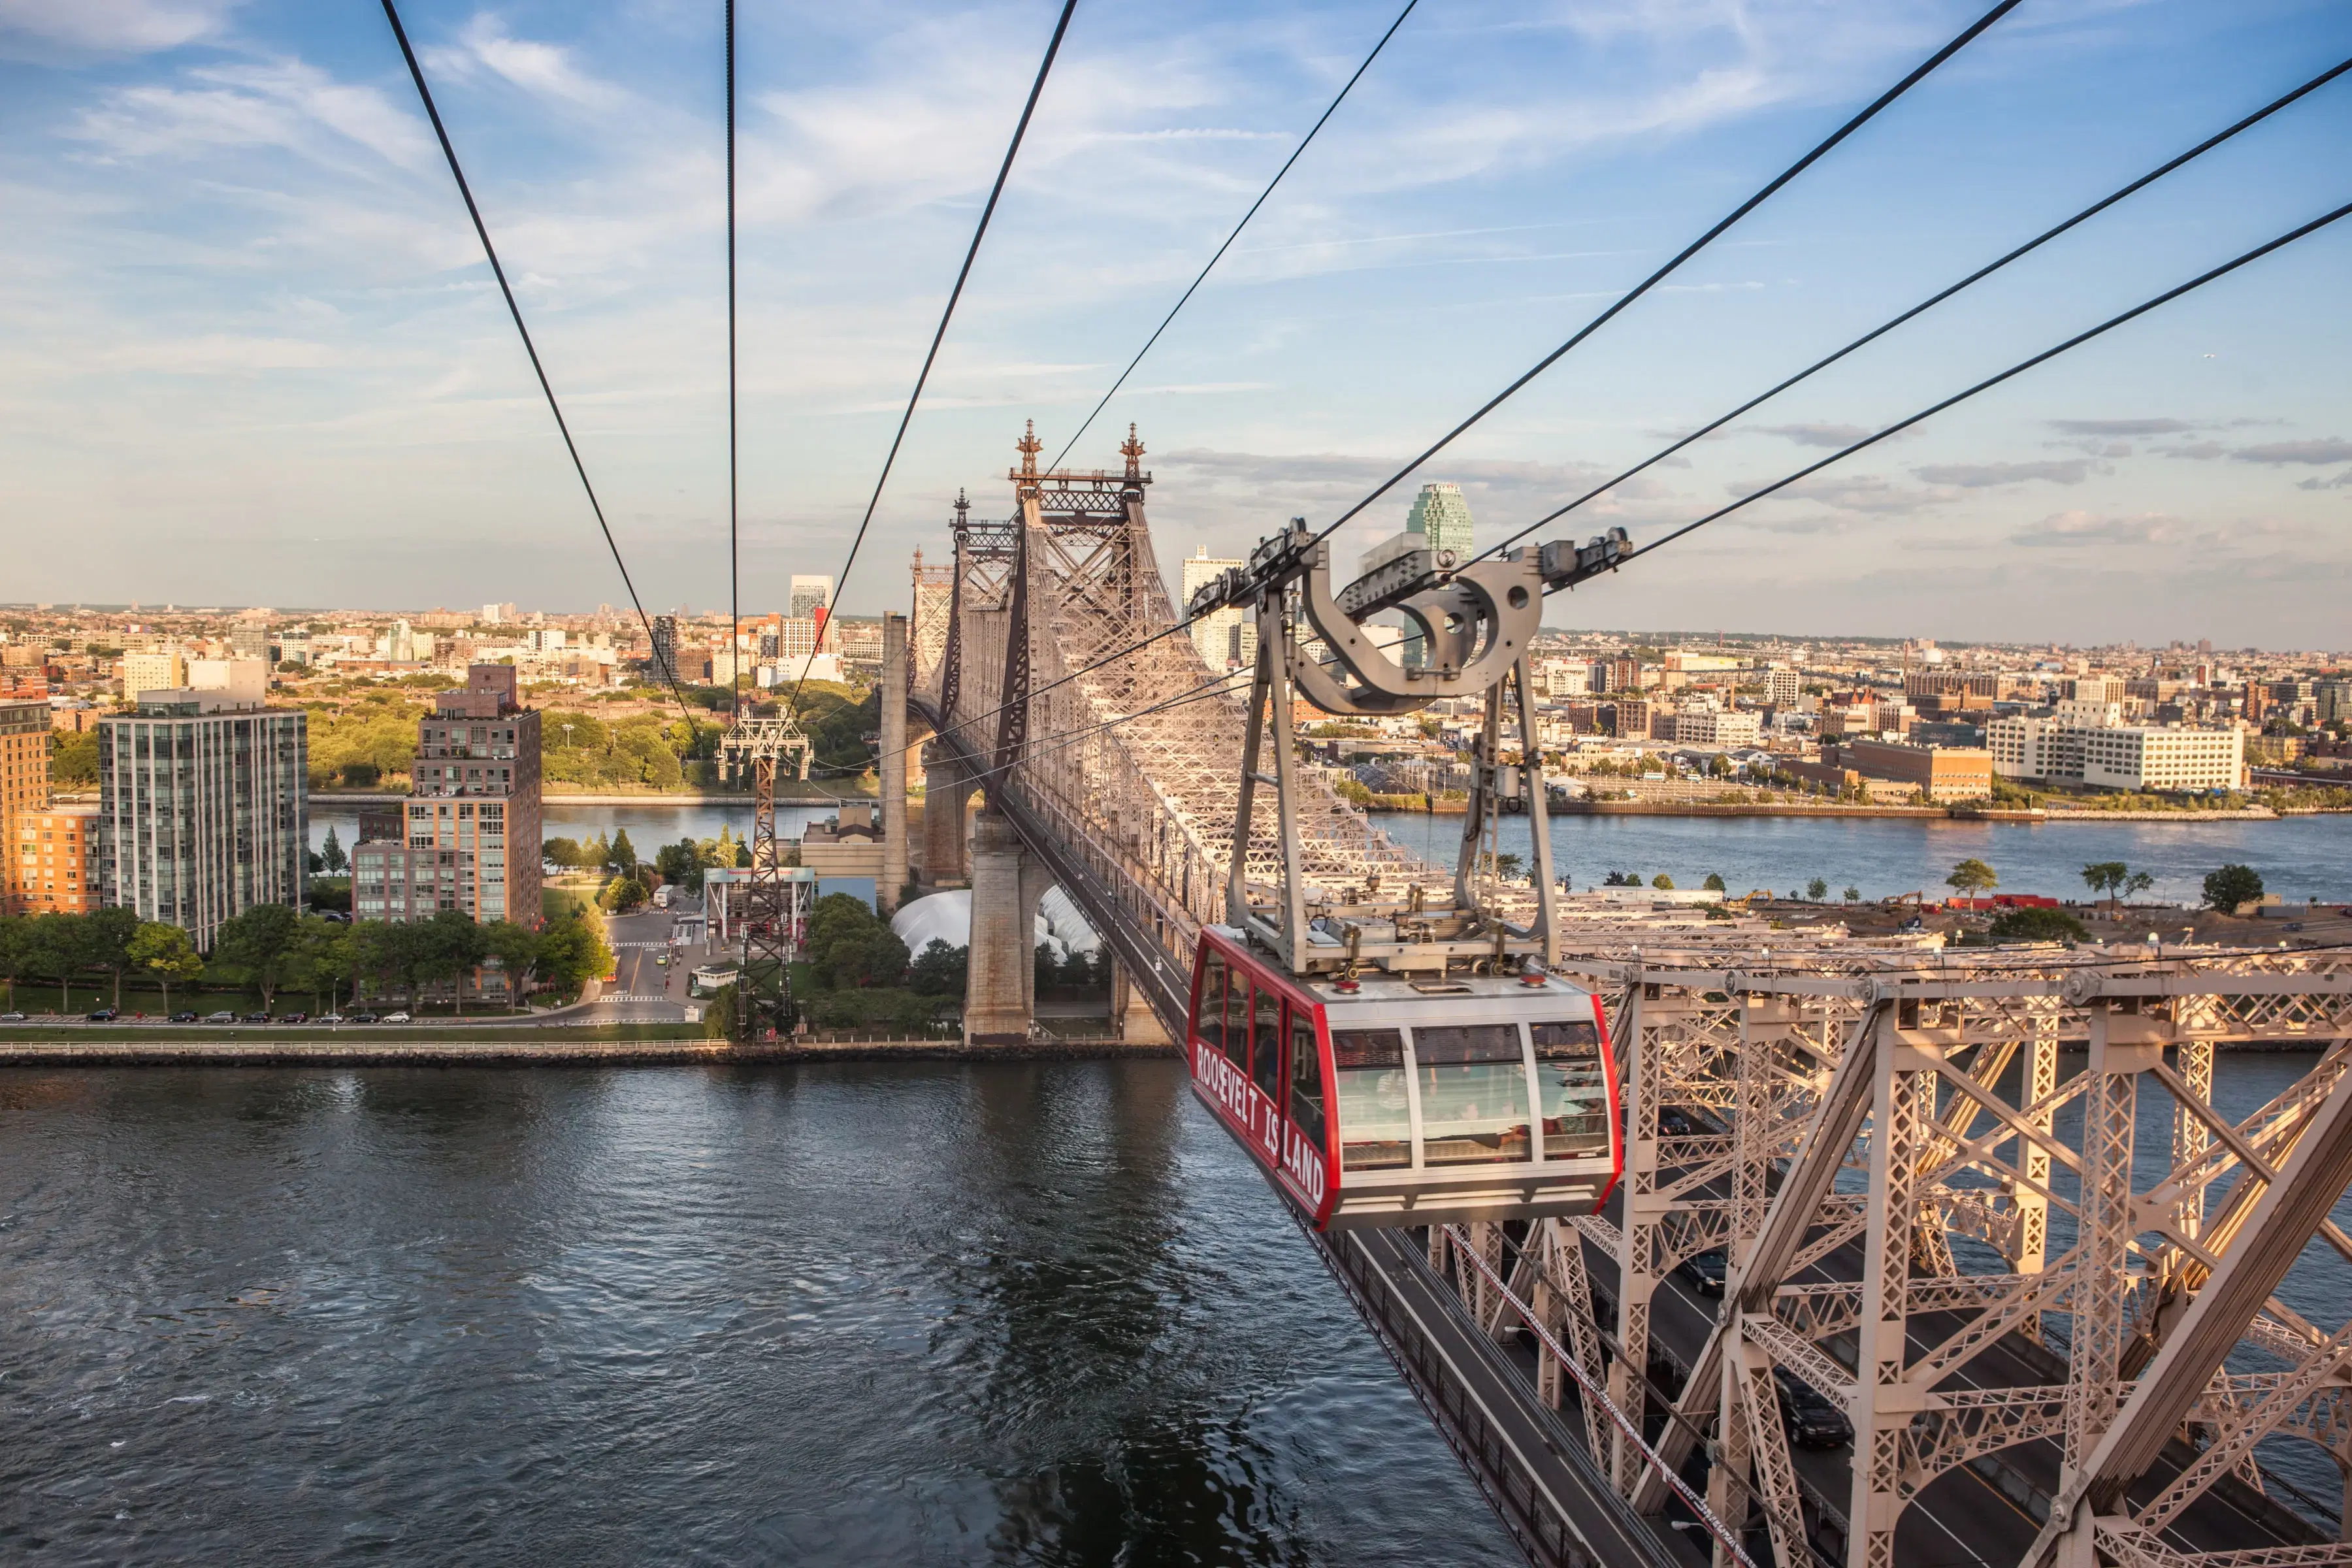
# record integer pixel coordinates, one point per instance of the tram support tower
(763, 1000)
(893, 762)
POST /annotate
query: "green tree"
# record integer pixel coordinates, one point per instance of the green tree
(455, 946)
(1714, 883)
(168, 953)
(260, 943)
(848, 945)
(1507, 866)
(105, 943)
(681, 865)
(563, 852)
(2037, 925)
(1972, 876)
(573, 952)
(73, 759)
(621, 855)
(2106, 878)
(325, 956)
(518, 950)
(621, 894)
(941, 969)
(1854, 895)
(1817, 889)
(332, 852)
(16, 953)
(2230, 887)
(1662, 880)
(58, 952)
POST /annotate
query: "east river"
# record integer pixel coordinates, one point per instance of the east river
(849, 1315)
(2299, 857)
(1002, 1314)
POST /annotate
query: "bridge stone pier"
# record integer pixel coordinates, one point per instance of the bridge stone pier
(893, 763)
(1131, 1017)
(999, 995)
(947, 797)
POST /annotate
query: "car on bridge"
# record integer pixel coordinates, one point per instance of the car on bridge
(1812, 1420)
(1704, 1272)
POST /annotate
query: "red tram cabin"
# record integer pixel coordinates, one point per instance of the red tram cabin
(1408, 1101)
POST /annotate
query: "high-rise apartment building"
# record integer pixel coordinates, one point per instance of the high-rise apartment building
(204, 809)
(1214, 633)
(54, 859)
(24, 781)
(1783, 688)
(470, 831)
(808, 595)
(163, 669)
(664, 648)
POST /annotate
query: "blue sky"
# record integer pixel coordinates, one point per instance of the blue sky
(249, 354)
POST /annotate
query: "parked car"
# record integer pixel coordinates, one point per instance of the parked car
(12, 1017)
(1705, 1272)
(1812, 1421)
(295, 1019)
(186, 1016)
(362, 1018)
(257, 1018)
(333, 1018)
(223, 1016)
(395, 1018)
(104, 1015)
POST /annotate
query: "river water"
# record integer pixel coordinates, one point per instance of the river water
(898, 1314)
(2299, 857)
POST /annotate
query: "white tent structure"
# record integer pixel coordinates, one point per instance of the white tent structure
(946, 917)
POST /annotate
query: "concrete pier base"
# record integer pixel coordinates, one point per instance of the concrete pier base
(893, 876)
(999, 988)
(1131, 1017)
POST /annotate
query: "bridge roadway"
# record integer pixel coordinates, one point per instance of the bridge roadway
(1539, 1479)
(1967, 1518)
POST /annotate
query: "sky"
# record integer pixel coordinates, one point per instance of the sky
(250, 353)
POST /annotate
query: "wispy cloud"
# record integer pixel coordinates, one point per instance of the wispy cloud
(1979, 476)
(2331, 450)
(1830, 435)
(108, 26)
(2122, 427)
(2083, 529)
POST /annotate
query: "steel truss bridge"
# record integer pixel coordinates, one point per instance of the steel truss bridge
(1991, 1205)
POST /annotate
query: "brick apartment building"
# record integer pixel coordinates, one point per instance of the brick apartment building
(470, 835)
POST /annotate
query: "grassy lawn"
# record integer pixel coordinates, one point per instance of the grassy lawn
(558, 903)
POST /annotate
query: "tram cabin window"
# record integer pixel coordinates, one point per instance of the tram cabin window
(1237, 996)
(1375, 1118)
(1306, 1078)
(1474, 1094)
(1570, 1090)
(1213, 1001)
(1265, 1040)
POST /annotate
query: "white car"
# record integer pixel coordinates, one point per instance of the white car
(12, 1017)
(223, 1016)
(329, 1019)
(395, 1018)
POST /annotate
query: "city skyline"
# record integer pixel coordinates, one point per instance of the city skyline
(252, 342)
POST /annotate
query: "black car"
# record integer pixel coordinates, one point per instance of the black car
(295, 1019)
(362, 1018)
(186, 1016)
(104, 1015)
(256, 1017)
(1675, 1123)
(1812, 1421)
(1705, 1272)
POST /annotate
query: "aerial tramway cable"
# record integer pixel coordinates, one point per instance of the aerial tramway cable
(1020, 130)
(734, 477)
(1821, 148)
(416, 74)
(2145, 305)
(1303, 143)
(1981, 273)
(1918, 74)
